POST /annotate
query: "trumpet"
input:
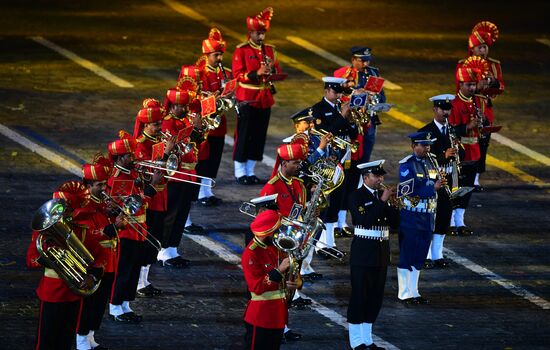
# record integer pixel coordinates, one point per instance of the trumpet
(336, 141)
(61, 249)
(130, 206)
(170, 167)
(399, 202)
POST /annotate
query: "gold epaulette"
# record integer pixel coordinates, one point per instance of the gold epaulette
(481, 96)
(253, 246)
(273, 179)
(273, 46)
(168, 117)
(493, 60)
(242, 44)
(462, 61)
(227, 69)
(297, 178)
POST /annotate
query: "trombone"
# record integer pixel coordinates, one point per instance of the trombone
(130, 206)
(170, 167)
(336, 141)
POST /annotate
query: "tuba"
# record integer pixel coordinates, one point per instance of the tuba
(61, 249)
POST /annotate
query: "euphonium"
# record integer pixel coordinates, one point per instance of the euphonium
(332, 174)
(61, 249)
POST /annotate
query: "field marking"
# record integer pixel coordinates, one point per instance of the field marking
(83, 62)
(232, 258)
(543, 41)
(400, 116)
(493, 277)
(53, 157)
(521, 148)
(331, 57)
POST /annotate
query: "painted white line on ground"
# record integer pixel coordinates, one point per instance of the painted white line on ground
(232, 258)
(331, 57)
(58, 160)
(544, 41)
(521, 149)
(83, 62)
(493, 277)
(267, 160)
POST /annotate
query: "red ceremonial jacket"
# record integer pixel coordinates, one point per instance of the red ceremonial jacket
(267, 308)
(463, 111)
(188, 161)
(51, 288)
(289, 192)
(247, 60)
(92, 221)
(130, 232)
(212, 79)
(144, 151)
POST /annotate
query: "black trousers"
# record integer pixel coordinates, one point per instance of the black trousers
(483, 148)
(209, 167)
(367, 293)
(443, 213)
(180, 195)
(251, 133)
(351, 182)
(155, 226)
(93, 307)
(129, 267)
(57, 325)
(467, 178)
(257, 338)
(336, 202)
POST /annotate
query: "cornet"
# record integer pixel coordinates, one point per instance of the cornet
(336, 141)
(180, 148)
(130, 206)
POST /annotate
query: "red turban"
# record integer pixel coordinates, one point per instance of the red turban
(261, 21)
(467, 75)
(266, 223)
(73, 192)
(126, 144)
(290, 151)
(148, 115)
(478, 63)
(100, 170)
(214, 43)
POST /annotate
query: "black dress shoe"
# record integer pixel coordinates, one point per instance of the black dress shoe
(421, 301)
(464, 231)
(206, 202)
(347, 232)
(337, 232)
(315, 276)
(254, 180)
(360, 347)
(243, 180)
(408, 301)
(301, 301)
(452, 231)
(100, 347)
(193, 229)
(428, 264)
(374, 346)
(440, 263)
(128, 317)
(148, 291)
(479, 188)
(215, 200)
(292, 336)
(178, 262)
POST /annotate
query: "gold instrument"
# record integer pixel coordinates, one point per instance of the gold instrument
(170, 167)
(336, 141)
(61, 249)
(130, 206)
(180, 148)
(360, 117)
(439, 175)
(332, 175)
(399, 202)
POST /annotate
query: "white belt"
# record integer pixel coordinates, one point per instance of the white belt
(423, 206)
(376, 232)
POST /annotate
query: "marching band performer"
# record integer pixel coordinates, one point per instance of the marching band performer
(102, 230)
(132, 236)
(253, 63)
(329, 116)
(465, 119)
(59, 304)
(180, 104)
(264, 270)
(147, 131)
(445, 153)
(213, 76)
(370, 252)
(484, 35)
(416, 219)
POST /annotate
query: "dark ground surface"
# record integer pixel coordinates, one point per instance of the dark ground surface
(76, 112)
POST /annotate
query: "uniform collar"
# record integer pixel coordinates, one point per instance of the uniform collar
(282, 177)
(371, 190)
(333, 105)
(95, 199)
(254, 45)
(464, 98)
(212, 69)
(150, 138)
(259, 243)
(440, 126)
